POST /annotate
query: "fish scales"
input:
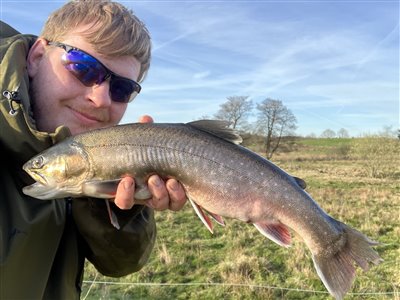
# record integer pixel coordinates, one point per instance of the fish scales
(162, 148)
(219, 177)
(179, 151)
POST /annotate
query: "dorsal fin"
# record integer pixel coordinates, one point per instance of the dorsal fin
(218, 128)
(300, 182)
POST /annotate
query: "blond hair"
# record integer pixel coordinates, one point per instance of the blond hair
(115, 30)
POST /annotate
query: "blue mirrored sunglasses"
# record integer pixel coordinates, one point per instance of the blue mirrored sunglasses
(91, 71)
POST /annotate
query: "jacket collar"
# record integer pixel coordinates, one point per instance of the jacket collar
(19, 136)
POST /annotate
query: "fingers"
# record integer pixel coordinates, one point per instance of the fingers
(160, 200)
(124, 197)
(176, 193)
(146, 119)
(169, 195)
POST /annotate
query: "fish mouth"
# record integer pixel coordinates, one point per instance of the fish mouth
(37, 176)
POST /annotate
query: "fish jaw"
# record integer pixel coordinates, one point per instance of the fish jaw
(44, 192)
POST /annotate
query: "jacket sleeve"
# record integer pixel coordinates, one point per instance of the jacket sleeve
(115, 252)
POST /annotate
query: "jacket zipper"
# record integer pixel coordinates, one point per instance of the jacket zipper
(69, 206)
(12, 97)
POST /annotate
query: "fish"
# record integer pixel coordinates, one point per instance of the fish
(221, 178)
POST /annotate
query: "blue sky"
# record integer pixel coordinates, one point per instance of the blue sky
(334, 64)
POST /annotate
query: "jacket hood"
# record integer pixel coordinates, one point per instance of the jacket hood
(18, 135)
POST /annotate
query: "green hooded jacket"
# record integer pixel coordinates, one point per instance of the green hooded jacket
(43, 244)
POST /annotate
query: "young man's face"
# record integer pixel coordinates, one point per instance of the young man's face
(59, 98)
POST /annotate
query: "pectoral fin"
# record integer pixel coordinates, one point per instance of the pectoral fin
(108, 188)
(101, 188)
(141, 190)
(275, 231)
(112, 216)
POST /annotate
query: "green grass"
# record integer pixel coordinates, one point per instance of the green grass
(239, 263)
(325, 142)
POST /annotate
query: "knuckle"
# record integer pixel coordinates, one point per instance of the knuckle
(159, 203)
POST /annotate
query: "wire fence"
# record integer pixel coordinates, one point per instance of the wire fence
(260, 286)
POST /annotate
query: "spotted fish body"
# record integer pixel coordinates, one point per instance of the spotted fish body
(219, 176)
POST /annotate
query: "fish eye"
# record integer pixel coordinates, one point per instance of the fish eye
(37, 163)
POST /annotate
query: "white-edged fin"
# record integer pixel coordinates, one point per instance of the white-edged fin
(203, 217)
(111, 214)
(217, 218)
(101, 188)
(275, 231)
(218, 128)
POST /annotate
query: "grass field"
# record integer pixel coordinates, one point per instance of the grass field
(355, 180)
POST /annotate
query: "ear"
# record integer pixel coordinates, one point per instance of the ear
(35, 56)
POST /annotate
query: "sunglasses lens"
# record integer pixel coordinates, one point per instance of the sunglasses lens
(90, 71)
(84, 67)
(123, 90)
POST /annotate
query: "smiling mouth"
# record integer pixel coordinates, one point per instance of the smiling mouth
(91, 118)
(85, 117)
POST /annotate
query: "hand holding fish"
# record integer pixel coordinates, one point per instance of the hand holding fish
(165, 195)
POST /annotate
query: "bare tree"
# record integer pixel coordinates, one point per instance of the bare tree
(274, 121)
(343, 133)
(235, 110)
(328, 133)
(311, 135)
(388, 131)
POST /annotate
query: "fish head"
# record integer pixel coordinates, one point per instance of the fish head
(58, 171)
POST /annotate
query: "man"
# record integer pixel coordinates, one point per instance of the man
(78, 75)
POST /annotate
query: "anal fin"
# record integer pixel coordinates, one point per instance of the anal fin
(275, 231)
(217, 218)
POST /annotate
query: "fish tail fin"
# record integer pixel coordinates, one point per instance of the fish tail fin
(337, 269)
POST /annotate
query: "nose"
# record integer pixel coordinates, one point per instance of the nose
(99, 94)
